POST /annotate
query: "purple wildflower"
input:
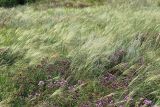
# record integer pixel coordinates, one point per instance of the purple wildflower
(101, 103)
(109, 77)
(128, 98)
(147, 102)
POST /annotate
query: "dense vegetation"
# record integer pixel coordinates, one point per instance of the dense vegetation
(10, 3)
(58, 54)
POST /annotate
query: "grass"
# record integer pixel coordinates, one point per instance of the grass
(63, 56)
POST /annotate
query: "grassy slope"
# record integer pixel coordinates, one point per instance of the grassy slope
(85, 36)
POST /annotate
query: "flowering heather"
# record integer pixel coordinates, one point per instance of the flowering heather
(109, 80)
(101, 103)
(147, 102)
(105, 101)
(128, 98)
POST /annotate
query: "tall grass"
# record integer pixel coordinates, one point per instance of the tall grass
(90, 38)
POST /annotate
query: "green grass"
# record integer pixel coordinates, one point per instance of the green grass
(90, 40)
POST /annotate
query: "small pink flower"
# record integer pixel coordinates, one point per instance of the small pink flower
(101, 103)
(147, 102)
(128, 98)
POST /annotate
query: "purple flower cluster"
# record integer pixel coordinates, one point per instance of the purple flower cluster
(105, 101)
(128, 98)
(147, 102)
(109, 80)
(101, 103)
(144, 102)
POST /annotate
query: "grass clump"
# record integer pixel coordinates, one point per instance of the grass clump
(7, 57)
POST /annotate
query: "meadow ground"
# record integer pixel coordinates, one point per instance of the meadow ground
(103, 55)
